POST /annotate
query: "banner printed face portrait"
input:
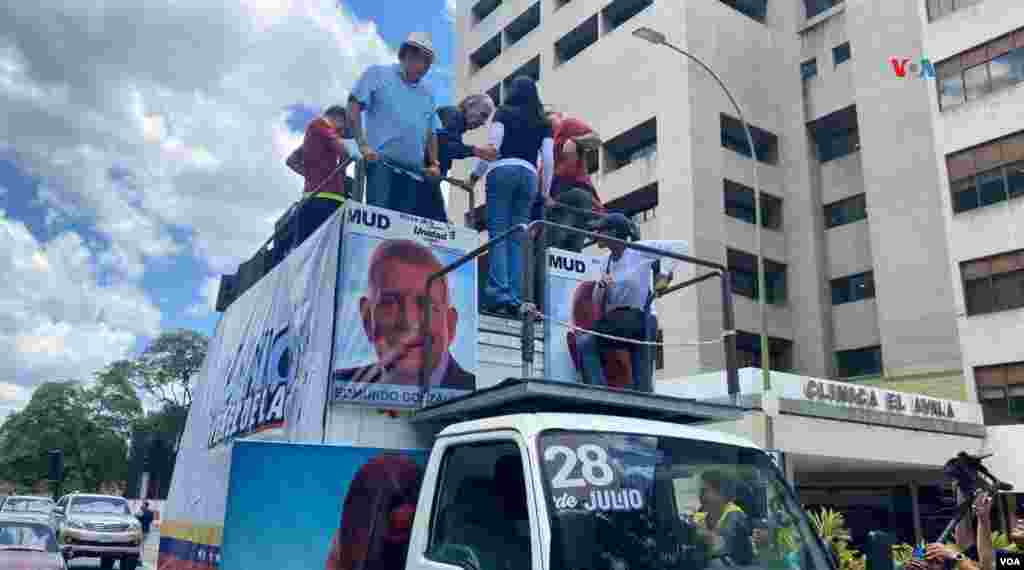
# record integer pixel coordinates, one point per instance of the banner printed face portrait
(568, 293)
(387, 258)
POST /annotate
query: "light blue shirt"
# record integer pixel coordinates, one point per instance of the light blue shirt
(398, 114)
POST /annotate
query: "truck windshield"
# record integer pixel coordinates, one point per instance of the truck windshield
(637, 502)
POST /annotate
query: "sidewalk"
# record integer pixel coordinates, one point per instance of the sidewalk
(151, 548)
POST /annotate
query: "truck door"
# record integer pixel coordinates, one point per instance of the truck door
(478, 500)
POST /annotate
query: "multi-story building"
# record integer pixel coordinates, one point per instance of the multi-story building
(867, 245)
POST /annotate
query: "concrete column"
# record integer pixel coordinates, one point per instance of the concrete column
(915, 505)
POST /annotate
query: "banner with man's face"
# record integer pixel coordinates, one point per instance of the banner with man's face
(379, 341)
(568, 297)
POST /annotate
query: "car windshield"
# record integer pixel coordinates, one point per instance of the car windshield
(635, 502)
(26, 535)
(27, 505)
(100, 506)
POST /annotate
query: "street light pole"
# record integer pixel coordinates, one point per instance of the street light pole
(658, 38)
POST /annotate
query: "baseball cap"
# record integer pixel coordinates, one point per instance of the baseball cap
(616, 224)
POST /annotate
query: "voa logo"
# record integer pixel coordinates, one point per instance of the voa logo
(369, 219)
(566, 264)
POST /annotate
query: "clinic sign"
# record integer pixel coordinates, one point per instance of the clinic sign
(866, 397)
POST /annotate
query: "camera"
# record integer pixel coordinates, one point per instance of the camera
(971, 475)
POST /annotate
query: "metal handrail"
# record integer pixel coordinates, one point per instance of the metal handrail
(427, 300)
(527, 337)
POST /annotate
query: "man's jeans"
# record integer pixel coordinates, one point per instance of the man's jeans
(591, 348)
(510, 191)
(391, 189)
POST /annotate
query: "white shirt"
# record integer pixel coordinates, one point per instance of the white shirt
(632, 275)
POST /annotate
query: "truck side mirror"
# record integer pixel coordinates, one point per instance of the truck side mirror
(878, 550)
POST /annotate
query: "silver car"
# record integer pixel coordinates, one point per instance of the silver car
(26, 504)
(99, 526)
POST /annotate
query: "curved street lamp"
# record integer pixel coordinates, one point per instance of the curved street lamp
(657, 38)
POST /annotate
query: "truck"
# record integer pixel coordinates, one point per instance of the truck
(527, 472)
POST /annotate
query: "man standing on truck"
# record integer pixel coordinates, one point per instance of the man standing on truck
(400, 125)
(321, 160)
(391, 317)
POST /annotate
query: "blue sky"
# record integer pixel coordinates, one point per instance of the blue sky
(136, 167)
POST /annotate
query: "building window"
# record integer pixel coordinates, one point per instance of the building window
(754, 9)
(987, 174)
(637, 143)
(841, 53)
(485, 54)
(579, 39)
(837, 134)
(994, 283)
(940, 8)
(743, 270)
(620, 11)
(846, 211)
(988, 68)
(530, 69)
(639, 205)
(809, 69)
(815, 7)
(853, 288)
(1001, 392)
(524, 24)
(482, 9)
(739, 204)
(735, 139)
(748, 351)
(859, 362)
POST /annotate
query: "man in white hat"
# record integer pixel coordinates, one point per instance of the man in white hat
(400, 125)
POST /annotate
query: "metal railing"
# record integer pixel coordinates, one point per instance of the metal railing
(526, 308)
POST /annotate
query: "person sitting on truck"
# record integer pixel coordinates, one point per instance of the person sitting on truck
(621, 295)
(725, 526)
(391, 317)
(471, 113)
(400, 125)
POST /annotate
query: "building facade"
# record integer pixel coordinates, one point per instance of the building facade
(868, 223)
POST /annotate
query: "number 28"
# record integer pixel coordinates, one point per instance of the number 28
(595, 468)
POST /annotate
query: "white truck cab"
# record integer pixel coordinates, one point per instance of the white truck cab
(589, 491)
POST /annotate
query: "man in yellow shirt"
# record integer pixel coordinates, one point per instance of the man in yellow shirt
(721, 521)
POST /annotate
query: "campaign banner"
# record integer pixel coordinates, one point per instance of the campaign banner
(264, 339)
(346, 508)
(568, 297)
(386, 259)
(266, 367)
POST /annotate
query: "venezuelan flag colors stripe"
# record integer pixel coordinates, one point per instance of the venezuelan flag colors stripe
(185, 546)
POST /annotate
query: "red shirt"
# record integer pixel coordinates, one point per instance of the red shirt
(320, 158)
(569, 173)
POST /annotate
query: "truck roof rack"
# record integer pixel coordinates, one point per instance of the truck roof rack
(519, 395)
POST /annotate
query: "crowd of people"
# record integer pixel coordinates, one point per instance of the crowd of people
(534, 166)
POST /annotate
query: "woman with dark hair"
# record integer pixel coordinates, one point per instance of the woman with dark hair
(377, 516)
(521, 133)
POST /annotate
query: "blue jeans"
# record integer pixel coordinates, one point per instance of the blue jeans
(510, 190)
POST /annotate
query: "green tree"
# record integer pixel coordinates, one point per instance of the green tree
(165, 371)
(166, 368)
(113, 399)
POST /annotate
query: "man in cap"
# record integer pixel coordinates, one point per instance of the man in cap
(629, 279)
(400, 125)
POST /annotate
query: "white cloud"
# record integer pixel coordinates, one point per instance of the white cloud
(449, 10)
(195, 118)
(144, 120)
(56, 322)
(207, 298)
